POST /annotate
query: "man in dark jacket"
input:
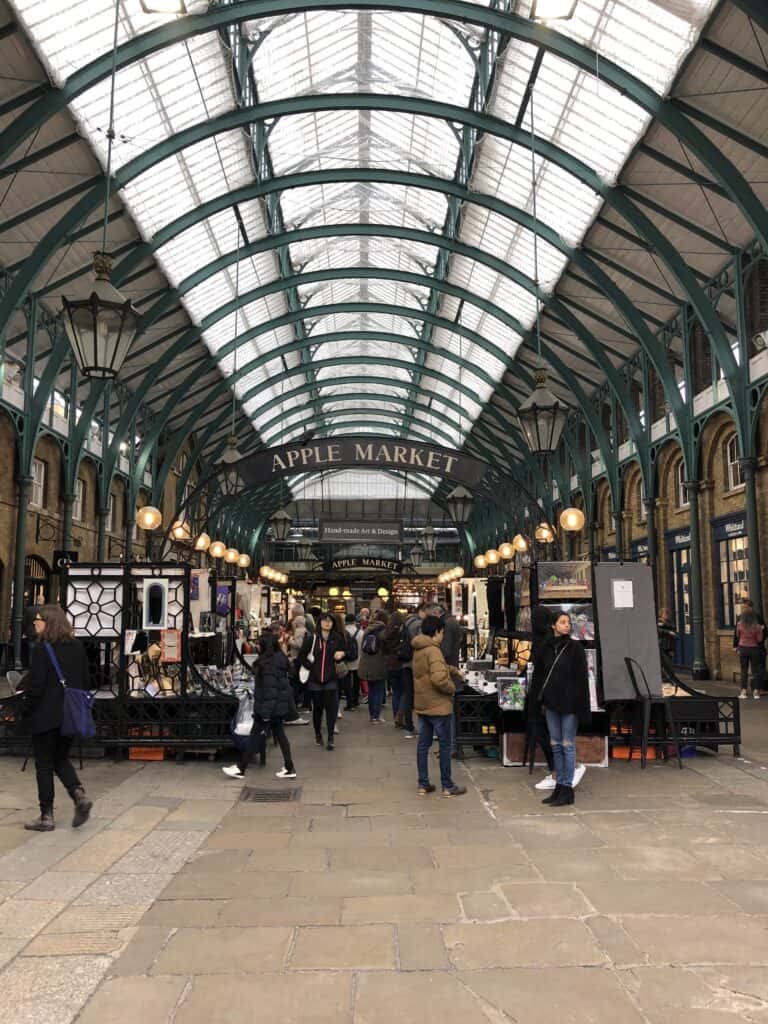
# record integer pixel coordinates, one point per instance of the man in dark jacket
(273, 705)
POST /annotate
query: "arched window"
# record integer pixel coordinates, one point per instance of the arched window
(734, 472)
(682, 490)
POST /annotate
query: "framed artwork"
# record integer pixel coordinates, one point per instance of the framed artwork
(564, 581)
(154, 609)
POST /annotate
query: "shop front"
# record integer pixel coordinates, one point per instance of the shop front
(679, 548)
(638, 550)
(730, 550)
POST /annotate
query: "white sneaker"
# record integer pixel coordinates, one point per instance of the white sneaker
(285, 774)
(756, 695)
(743, 695)
(335, 730)
(578, 775)
(409, 735)
(548, 782)
(299, 721)
(339, 715)
(232, 771)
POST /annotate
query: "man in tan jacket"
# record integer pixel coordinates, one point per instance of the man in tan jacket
(433, 692)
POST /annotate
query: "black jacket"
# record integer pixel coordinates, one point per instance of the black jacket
(322, 671)
(567, 691)
(43, 693)
(272, 691)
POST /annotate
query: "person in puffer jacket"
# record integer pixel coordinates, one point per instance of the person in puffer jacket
(273, 705)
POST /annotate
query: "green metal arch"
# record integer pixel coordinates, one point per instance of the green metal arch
(593, 346)
(513, 25)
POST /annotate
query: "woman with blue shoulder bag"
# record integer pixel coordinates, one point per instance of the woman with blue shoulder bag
(58, 662)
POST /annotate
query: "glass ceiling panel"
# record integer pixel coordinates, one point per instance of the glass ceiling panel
(385, 204)
(363, 250)
(363, 322)
(353, 484)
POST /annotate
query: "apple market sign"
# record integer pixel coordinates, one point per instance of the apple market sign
(360, 452)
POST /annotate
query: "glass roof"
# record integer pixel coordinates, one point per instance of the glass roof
(346, 52)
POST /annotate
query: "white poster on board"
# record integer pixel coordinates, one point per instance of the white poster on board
(623, 594)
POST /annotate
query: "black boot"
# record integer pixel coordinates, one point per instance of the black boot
(82, 807)
(319, 739)
(553, 795)
(565, 797)
(42, 824)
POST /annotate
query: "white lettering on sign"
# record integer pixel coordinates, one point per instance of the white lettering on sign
(737, 528)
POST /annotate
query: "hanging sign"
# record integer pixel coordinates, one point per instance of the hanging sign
(363, 562)
(356, 532)
(62, 560)
(678, 539)
(358, 452)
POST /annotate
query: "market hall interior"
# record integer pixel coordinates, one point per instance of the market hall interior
(446, 321)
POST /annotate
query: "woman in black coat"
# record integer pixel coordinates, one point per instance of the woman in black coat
(273, 706)
(321, 654)
(564, 695)
(43, 709)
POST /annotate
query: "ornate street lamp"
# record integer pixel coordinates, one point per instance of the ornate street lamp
(428, 539)
(281, 525)
(417, 554)
(542, 418)
(304, 549)
(228, 473)
(459, 503)
(102, 327)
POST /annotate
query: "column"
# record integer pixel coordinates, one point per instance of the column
(700, 667)
(17, 614)
(101, 534)
(650, 523)
(67, 505)
(748, 468)
(130, 521)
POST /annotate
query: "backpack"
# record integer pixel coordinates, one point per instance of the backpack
(371, 642)
(403, 651)
(353, 648)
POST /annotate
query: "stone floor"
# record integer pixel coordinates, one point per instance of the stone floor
(361, 902)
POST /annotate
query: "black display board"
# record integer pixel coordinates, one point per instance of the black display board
(626, 616)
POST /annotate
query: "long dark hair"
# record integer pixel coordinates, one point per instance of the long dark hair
(58, 629)
(748, 617)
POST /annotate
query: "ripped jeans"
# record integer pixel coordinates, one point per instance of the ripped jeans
(562, 736)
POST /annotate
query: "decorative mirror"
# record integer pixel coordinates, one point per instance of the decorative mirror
(155, 604)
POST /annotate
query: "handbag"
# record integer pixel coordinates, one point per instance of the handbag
(310, 659)
(77, 710)
(549, 674)
(244, 716)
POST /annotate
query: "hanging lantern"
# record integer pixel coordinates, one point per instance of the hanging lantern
(383, 593)
(217, 549)
(457, 573)
(149, 517)
(519, 542)
(417, 555)
(102, 327)
(506, 551)
(228, 472)
(180, 531)
(283, 579)
(244, 561)
(429, 539)
(544, 534)
(346, 594)
(263, 571)
(333, 592)
(492, 556)
(480, 562)
(202, 542)
(281, 525)
(459, 503)
(572, 520)
(542, 418)
(304, 549)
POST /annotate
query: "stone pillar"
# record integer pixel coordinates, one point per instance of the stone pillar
(748, 468)
(17, 613)
(101, 534)
(700, 667)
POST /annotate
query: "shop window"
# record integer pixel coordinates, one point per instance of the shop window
(734, 579)
(733, 465)
(39, 483)
(682, 490)
(78, 505)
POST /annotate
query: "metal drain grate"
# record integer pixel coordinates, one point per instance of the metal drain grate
(249, 795)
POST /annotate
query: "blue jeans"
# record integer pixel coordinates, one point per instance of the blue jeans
(429, 727)
(376, 690)
(562, 736)
(401, 683)
(395, 684)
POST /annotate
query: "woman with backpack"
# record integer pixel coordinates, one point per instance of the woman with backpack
(321, 655)
(373, 665)
(273, 706)
(748, 640)
(57, 657)
(396, 644)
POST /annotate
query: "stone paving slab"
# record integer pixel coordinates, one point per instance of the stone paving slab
(224, 951)
(127, 1000)
(353, 947)
(312, 998)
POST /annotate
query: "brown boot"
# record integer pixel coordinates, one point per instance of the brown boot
(399, 720)
(82, 808)
(42, 824)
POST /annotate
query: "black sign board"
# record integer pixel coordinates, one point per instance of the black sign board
(61, 559)
(357, 452)
(357, 532)
(364, 562)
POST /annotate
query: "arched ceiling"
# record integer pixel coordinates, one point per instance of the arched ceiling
(330, 208)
